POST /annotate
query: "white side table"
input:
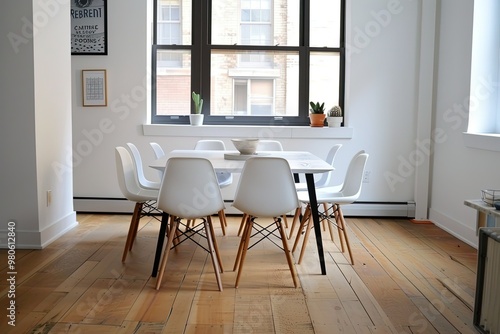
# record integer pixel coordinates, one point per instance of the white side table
(487, 216)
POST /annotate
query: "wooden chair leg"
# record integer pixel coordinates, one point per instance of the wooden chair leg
(249, 226)
(213, 253)
(214, 241)
(168, 246)
(285, 220)
(344, 229)
(287, 251)
(309, 227)
(305, 217)
(242, 242)
(339, 227)
(134, 223)
(325, 208)
(295, 218)
(222, 219)
(242, 224)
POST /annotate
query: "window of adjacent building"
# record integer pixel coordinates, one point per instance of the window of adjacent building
(252, 61)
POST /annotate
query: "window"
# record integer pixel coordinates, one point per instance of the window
(253, 61)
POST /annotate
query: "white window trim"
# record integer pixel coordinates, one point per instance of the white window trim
(483, 141)
(218, 131)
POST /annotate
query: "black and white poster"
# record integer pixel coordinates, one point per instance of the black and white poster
(89, 27)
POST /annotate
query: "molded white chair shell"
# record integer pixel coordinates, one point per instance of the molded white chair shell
(326, 178)
(132, 190)
(159, 152)
(269, 145)
(190, 190)
(266, 189)
(349, 193)
(224, 178)
(143, 181)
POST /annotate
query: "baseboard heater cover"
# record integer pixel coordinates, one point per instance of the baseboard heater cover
(359, 209)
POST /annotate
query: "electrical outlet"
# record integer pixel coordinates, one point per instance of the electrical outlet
(49, 197)
(366, 176)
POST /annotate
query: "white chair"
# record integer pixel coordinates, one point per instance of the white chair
(349, 193)
(224, 179)
(266, 189)
(145, 199)
(269, 145)
(143, 181)
(190, 190)
(323, 181)
(159, 153)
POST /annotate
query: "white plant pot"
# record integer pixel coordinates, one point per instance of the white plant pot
(334, 122)
(196, 119)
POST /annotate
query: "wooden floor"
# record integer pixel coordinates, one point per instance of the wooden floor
(408, 278)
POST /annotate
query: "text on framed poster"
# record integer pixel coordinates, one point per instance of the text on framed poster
(89, 27)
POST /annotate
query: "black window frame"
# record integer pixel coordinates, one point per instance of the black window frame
(201, 48)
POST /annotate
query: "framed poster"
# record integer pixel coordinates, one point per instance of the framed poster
(89, 27)
(94, 88)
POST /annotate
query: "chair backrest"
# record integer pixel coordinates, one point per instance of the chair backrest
(269, 145)
(190, 189)
(210, 144)
(354, 176)
(143, 181)
(325, 178)
(266, 188)
(224, 178)
(159, 153)
(127, 178)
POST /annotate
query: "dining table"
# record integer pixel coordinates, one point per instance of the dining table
(301, 163)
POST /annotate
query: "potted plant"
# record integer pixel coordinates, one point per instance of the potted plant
(317, 114)
(196, 118)
(334, 117)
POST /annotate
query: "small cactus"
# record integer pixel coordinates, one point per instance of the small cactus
(198, 102)
(335, 111)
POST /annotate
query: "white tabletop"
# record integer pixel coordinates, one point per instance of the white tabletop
(300, 161)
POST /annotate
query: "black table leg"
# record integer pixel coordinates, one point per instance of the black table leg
(315, 216)
(159, 244)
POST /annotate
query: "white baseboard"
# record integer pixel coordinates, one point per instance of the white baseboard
(363, 209)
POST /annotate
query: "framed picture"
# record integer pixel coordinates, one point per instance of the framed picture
(89, 27)
(94, 88)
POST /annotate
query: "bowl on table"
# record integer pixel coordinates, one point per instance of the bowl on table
(246, 146)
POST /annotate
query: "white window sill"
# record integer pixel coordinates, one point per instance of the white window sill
(483, 141)
(171, 130)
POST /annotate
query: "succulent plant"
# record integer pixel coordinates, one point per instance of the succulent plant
(317, 108)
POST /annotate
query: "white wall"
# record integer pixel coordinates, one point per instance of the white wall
(459, 173)
(36, 121)
(383, 93)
